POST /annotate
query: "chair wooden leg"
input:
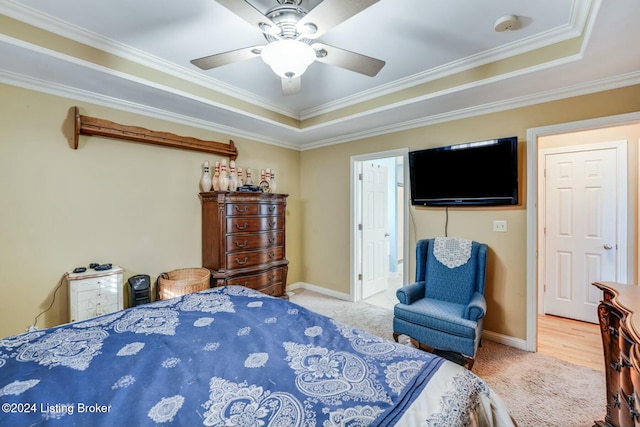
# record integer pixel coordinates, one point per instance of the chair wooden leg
(424, 347)
(469, 362)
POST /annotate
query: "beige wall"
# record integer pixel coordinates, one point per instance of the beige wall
(325, 200)
(131, 204)
(136, 205)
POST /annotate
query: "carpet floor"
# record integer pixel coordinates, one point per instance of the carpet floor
(539, 390)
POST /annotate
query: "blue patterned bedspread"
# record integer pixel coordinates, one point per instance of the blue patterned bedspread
(223, 357)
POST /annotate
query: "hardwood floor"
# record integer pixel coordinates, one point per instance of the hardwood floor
(571, 340)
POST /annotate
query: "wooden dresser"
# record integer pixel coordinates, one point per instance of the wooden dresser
(620, 328)
(243, 240)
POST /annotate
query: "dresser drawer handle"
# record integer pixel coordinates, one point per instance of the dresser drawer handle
(241, 245)
(242, 262)
(242, 227)
(272, 224)
(272, 208)
(243, 210)
(270, 278)
(272, 240)
(616, 400)
(271, 255)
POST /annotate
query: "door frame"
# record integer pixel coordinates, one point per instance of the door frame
(355, 244)
(621, 208)
(532, 209)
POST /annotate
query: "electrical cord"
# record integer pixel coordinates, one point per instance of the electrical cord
(413, 222)
(53, 300)
(446, 222)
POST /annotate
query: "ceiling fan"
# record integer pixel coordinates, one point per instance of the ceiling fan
(291, 31)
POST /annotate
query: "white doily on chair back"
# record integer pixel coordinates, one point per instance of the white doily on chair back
(452, 251)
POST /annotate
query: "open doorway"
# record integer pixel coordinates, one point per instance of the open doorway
(535, 214)
(378, 226)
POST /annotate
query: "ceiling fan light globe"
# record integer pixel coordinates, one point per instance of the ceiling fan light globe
(288, 58)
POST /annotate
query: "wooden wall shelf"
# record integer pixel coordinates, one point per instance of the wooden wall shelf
(84, 125)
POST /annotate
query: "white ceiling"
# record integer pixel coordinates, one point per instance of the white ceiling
(421, 41)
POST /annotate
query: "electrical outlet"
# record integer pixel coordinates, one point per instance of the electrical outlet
(500, 226)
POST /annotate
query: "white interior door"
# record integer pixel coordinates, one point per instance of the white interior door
(582, 211)
(375, 260)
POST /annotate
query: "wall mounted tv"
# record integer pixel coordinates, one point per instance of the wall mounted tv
(483, 173)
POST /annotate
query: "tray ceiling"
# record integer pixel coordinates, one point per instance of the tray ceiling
(444, 60)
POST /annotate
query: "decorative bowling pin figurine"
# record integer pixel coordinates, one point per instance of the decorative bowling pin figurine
(240, 179)
(224, 177)
(215, 181)
(205, 181)
(233, 178)
(249, 179)
(272, 182)
(267, 178)
(264, 184)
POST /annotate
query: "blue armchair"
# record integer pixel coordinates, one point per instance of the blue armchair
(443, 311)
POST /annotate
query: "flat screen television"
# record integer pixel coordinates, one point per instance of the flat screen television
(483, 173)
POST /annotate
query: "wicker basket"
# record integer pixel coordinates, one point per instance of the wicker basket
(182, 281)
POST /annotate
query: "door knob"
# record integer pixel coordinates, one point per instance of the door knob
(608, 247)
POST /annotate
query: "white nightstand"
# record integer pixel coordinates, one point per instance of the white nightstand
(94, 293)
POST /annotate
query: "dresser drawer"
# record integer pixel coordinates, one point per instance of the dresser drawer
(240, 209)
(105, 294)
(248, 209)
(259, 281)
(249, 225)
(251, 258)
(276, 290)
(95, 283)
(271, 209)
(243, 242)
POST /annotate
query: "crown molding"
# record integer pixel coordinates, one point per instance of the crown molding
(75, 94)
(615, 82)
(583, 16)
(33, 17)
(582, 12)
(580, 25)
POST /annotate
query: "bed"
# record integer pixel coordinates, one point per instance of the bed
(231, 356)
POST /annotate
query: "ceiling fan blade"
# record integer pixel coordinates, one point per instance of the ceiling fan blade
(291, 86)
(346, 59)
(220, 59)
(330, 13)
(250, 14)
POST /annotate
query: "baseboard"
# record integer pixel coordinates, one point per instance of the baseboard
(320, 290)
(489, 335)
(518, 343)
